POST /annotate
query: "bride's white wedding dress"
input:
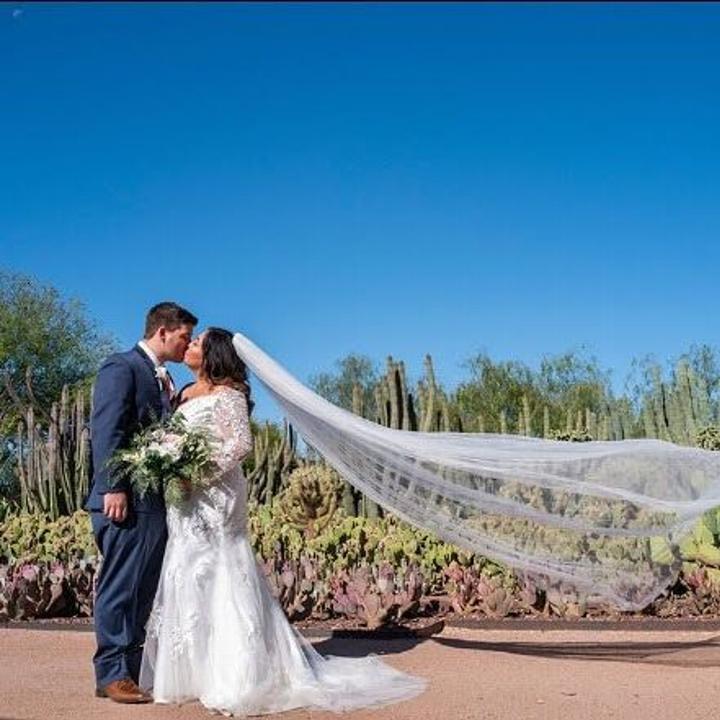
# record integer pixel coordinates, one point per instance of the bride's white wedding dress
(216, 634)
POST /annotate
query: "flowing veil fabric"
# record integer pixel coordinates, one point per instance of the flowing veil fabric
(602, 519)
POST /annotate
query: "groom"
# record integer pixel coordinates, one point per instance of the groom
(132, 390)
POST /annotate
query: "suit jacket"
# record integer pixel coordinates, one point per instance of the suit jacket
(126, 398)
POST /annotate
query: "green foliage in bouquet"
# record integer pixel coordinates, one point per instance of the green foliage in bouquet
(169, 457)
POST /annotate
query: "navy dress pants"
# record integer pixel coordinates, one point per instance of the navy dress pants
(132, 560)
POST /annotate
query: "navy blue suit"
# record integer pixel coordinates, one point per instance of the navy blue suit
(126, 398)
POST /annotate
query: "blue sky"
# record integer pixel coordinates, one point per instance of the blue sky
(379, 179)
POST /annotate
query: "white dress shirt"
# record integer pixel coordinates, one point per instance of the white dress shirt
(161, 372)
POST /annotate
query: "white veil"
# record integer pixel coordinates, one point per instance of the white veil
(602, 518)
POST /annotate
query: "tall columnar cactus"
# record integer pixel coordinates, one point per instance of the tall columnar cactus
(395, 404)
(503, 422)
(676, 410)
(396, 407)
(526, 424)
(53, 458)
(429, 397)
(272, 462)
(605, 431)
(428, 410)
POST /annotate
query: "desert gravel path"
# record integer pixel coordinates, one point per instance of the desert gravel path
(506, 674)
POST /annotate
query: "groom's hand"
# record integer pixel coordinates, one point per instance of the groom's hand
(115, 506)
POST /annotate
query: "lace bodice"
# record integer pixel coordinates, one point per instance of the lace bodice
(219, 509)
(224, 415)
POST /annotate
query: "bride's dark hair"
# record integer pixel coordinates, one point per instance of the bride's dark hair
(221, 365)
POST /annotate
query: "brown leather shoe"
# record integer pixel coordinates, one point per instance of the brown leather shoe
(123, 691)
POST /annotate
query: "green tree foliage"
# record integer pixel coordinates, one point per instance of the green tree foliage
(352, 370)
(565, 383)
(46, 335)
(495, 388)
(46, 340)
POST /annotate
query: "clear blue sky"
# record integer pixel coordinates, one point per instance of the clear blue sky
(379, 179)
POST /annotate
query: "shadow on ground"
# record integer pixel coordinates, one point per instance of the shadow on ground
(701, 653)
(349, 647)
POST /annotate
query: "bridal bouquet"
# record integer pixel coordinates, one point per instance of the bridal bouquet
(170, 456)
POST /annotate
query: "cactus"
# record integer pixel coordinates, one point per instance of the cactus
(311, 498)
(37, 537)
(460, 588)
(701, 544)
(53, 460)
(376, 595)
(527, 429)
(429, 397)
(497, 601)
(708, 437)
(272, 462)
(528, 595)
(294, 586)
(675, 410)
(565, 602)
(578, 435)
(29, 590)
(356, 595)
(503, 422)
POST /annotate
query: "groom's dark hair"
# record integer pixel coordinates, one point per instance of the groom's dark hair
(168, 314)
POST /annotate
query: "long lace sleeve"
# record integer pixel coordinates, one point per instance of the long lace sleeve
(231, 425)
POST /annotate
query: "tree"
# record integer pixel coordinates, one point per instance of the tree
(337, 387)
(495, 387)
(575, 383)
(44, 337)
(569, 381)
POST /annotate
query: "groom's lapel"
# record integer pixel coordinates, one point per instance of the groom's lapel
(150, 368)
(148, 362)
(162, 396)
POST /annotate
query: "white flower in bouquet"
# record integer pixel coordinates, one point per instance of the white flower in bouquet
(168, 456)
(169, 445)
(173, 446)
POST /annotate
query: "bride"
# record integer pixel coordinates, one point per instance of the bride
(215, 633)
